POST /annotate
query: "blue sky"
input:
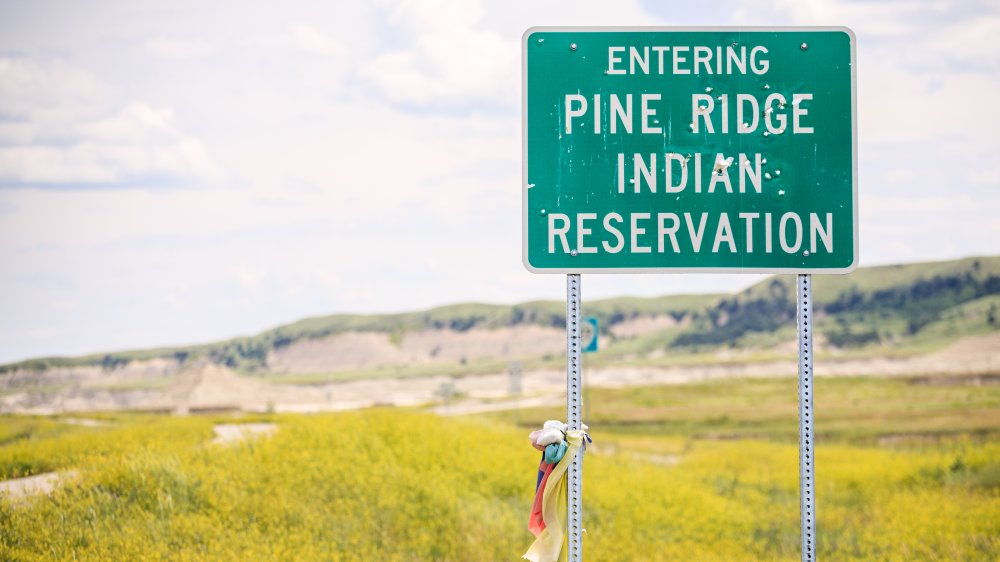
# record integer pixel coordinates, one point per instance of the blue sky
(178, 172)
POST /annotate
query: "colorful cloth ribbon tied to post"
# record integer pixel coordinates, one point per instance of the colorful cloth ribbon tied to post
(547, 521)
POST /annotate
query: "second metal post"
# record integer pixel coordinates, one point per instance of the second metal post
(807, 474)
(574, 406)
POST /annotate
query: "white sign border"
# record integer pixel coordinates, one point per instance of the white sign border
(734, 29)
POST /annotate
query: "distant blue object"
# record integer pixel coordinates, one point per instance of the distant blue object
(555, 452)
(589, 343)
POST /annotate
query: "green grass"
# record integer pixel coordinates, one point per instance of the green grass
(19, 428)
(907, 469)
(964, 320)
(53, 446)
(875, 278)
(852, 410)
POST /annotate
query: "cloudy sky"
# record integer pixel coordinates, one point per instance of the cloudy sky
(176, 172)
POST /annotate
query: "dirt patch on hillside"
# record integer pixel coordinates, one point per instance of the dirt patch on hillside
(501, 343)
(971, 346)
(372, 350)
(350, 350)
(132, 373)
(208, 387)
(643, 325)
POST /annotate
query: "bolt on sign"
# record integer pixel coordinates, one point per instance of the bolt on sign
(694, 149)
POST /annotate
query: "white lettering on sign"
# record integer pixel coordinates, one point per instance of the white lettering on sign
(645, 171)
(613, 230)
(687, 59)
(558, 231)
(638, 231)
(680, 233)
(708, 113)
(799, 112)
(649, 113)
(614, 58)
(582, 231)
(748, 112)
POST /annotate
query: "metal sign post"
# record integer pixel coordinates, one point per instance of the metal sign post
(807, 504)
(574, 384)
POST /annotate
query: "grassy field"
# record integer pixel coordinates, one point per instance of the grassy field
(907, 469)
(862, 411)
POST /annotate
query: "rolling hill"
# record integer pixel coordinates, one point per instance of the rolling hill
(896, 309)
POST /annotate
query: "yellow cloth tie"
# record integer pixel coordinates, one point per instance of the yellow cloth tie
(548, 545)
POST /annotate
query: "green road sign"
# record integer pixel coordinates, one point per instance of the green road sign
(689, 149)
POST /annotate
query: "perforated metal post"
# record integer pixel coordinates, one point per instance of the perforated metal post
(574, 406)
(807, 503)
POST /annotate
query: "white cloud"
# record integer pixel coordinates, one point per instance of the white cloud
(299, 37)
(882, 205)
(173, 48)
(311, 40)
(445, 60)
(60, 126)
(969, 44)
(900, 105)
(45, 92)
(459, 54)
(873, 19)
